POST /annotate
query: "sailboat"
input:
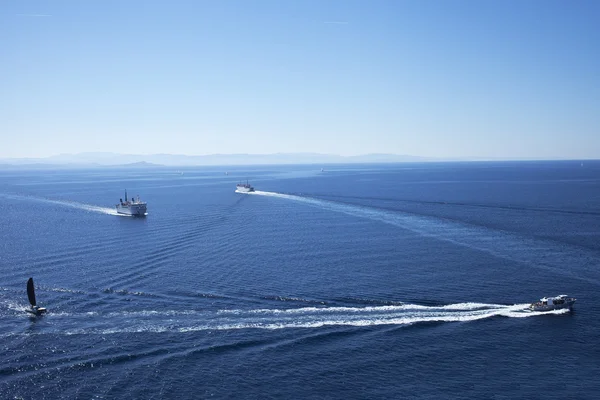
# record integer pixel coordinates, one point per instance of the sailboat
(35, 309)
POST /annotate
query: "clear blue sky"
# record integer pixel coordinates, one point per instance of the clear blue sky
(431, 78)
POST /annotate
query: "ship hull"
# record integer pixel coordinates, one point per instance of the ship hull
(551, 307)
(243, 189)
(36, 310)
(135, 210)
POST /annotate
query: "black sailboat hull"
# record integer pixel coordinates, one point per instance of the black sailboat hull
(36, 311)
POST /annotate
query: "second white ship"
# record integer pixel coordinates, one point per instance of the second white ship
(134, 207)
(244, 187)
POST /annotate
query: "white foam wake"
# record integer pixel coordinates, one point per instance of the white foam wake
(377, 309)
(66, 203)
(83, 206)
(133, 321)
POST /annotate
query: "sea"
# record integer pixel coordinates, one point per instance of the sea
(382, 281)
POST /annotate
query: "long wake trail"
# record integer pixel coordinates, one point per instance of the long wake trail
(182, 321)
(539, 253)
(66, 203)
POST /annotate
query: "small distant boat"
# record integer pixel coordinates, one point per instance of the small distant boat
(133, 207)
(553, 303)
(35, 309)
(244, 187)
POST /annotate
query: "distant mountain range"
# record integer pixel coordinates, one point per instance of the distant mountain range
(137, 160)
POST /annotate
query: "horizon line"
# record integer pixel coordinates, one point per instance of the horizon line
(523, 158)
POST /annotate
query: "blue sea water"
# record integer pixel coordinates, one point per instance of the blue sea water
(370, 281)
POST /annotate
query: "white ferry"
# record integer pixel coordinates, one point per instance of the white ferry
(553, 303)
(134, 207)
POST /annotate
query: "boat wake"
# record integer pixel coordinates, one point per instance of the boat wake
(86, 207)
(535, 252)
(181, 321)
(71, 204)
